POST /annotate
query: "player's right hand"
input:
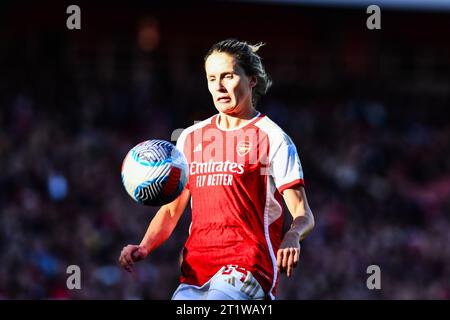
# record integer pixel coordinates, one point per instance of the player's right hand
(131, 254)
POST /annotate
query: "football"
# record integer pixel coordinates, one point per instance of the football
(154, 172)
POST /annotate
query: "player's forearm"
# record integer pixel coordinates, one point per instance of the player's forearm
(302, 225)
(159, 229)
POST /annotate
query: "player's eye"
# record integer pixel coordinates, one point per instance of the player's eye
(211, 79)
(229, 76)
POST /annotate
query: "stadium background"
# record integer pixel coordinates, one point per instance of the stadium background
(367, 110)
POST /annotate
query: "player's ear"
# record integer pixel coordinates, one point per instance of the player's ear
(253, 81)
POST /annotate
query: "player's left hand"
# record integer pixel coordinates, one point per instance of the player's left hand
(289, 253)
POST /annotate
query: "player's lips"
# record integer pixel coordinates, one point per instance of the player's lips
(223, 99)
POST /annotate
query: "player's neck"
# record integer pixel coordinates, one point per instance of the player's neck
(229, 122)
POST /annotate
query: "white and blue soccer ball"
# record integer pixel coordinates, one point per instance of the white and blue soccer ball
(154, 172)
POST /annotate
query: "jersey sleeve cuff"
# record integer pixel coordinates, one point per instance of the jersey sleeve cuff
(295, 183)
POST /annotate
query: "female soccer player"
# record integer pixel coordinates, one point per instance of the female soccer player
(241, 164)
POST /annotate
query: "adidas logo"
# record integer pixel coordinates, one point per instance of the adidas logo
(198, 148)
(231, 280)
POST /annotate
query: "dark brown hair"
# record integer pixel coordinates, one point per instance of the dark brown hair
(248, 60)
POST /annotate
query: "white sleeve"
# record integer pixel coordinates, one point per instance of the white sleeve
(285, 167)
(180, 140)
(181, 147)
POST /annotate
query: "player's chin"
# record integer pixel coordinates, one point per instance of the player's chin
(227, 108)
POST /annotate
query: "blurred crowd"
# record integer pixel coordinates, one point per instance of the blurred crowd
(371, 131)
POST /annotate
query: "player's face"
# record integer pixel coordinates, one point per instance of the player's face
(230, 87)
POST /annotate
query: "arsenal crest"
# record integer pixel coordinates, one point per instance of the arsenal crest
(243, 147)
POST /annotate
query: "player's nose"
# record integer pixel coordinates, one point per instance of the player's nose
(219, 87)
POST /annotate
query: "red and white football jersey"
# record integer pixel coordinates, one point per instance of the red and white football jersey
(236, 178)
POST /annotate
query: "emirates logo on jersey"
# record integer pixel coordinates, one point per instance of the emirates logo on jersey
(243, 147)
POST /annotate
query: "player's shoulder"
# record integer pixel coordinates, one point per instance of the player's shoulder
(276, 134)
(196, 126)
